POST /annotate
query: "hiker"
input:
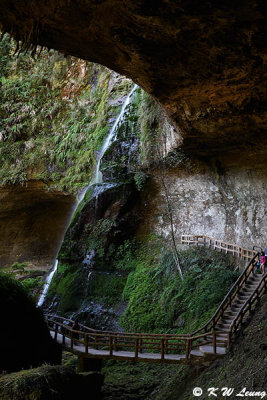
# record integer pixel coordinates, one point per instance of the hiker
(262, 261)
(257, 267)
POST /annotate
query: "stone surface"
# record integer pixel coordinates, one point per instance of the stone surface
(226, 204)
(105, 221)
(203, 61)
(32, 223)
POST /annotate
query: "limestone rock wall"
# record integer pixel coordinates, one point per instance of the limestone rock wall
(32, 223)
(226, 204)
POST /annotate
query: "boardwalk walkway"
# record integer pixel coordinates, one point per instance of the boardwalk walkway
(202, 346)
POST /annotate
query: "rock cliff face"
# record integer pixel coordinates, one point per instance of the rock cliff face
(226, 204)
(52, 123)
(32, 222)
(203, 61)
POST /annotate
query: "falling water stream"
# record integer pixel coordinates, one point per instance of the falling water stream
(111, 136)
(47, 284)
(96, 180)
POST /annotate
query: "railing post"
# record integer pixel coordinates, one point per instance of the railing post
(56, 331)
(214, 340)
(86, 343)
(63, 337)
(162, 348)
(141, 345)
(205, 330)
(188, 348)
(166, 345)
(136, 348)
(115, 343)
(110, 346)
(71, 340)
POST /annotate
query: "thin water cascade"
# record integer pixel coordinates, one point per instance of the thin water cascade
(47, 284)
(97, 179)
(51, 274)
(111, 136)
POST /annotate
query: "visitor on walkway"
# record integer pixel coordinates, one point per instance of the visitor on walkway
(262, 261)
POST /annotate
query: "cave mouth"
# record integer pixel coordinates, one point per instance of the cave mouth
(203, 62)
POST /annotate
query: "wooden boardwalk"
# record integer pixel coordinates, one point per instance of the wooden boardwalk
(201, 346)
(80, 348)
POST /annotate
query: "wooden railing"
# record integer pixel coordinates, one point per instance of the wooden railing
(121, 344)
(247, 307)
(229, 298)
(114, 342)
(219, 245)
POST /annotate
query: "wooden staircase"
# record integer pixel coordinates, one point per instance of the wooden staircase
(200, 347)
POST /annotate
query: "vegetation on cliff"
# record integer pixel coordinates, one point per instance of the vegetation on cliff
(55, 113)
(159, 301)
(144, 276)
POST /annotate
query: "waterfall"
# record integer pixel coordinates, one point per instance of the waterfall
(47, 284)
(111, 136)
(53, 270)
(97, 179)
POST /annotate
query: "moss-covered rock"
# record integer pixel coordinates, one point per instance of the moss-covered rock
(25, 340)
(105, 220)
(50, 383)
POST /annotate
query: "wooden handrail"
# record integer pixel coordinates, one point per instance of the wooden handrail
(158, 342)
(249, 302)
(234, 249)
(161, 343)
(230, 295)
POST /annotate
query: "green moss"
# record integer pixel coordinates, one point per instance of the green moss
(139, 381)
(106, 288)
(68, 284)
(50, 383)
(160, 301)
(32, 285)
(17, 266)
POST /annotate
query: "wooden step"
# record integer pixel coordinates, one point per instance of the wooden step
(224, 328)
(226, 320)
(220, 351)
(251, 286)
(196, 354)
(220, 342)
(243, 297)
(231, 313)
(239, 301)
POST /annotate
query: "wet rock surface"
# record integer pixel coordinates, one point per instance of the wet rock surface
(107, 217)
